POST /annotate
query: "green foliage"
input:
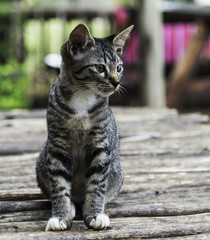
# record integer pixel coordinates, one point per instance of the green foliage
(5, 8)
(13, 86)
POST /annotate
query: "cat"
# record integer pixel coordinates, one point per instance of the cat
(79, 168)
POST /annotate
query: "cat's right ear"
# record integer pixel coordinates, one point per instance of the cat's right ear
(120, 39)
(80, 40)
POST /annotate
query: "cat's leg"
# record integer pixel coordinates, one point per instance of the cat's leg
(97, 179)
(57, 224)
(60, 178)
(63, 210)
(54, 179)
(115, 179)
(41, 176)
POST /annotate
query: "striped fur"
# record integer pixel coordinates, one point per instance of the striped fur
(79, 164)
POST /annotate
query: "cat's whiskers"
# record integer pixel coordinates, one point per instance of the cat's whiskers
(121, 92)
(118, 94)
(87, 84)
(100, 91)
(88, 87)
(124, 83)
(85, 93)
(91, 89)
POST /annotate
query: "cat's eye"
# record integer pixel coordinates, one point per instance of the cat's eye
(100, 68)
(119, 68)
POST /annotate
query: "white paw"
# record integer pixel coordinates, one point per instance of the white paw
(56, 224)
(100, 221)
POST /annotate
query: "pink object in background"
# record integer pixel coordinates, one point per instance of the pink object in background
(176, 38)
(167, 37)
(121, 17)
(131, 55)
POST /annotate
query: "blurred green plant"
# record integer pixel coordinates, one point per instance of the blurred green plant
(13, 86)
(27, 41)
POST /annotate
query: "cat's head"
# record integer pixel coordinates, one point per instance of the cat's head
(95, 63)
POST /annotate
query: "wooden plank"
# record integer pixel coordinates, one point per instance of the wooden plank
(20, 113)
(141, 164)
(17, 206)
(21, 129)
(20, 194)
(151, 203)
(198, 236)
(25, 216)
(120, 229)
(171, 147)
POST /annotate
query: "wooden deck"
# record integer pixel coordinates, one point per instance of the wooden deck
(166, 192)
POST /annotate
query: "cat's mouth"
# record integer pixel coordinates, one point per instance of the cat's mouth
(106, 91)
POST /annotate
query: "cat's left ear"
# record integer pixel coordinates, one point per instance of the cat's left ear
(120, 40)
(80, 40)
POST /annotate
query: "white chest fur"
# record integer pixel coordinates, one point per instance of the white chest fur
(82, 101)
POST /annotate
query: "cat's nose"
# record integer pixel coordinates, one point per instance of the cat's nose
(115, 84)
(114, 81)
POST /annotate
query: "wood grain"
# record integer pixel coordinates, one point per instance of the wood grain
(166, 190)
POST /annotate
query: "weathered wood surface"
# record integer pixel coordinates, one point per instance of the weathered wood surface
(166, 191)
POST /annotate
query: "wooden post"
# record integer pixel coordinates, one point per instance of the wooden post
(152, 53)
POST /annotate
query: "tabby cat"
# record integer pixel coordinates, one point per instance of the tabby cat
(79, 167)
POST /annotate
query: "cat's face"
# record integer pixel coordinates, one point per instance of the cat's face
(99, 69)
(95, 64)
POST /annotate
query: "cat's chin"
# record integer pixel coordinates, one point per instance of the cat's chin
(105, 94)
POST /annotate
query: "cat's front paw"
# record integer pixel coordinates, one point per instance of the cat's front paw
(100, 221)
(58, 224)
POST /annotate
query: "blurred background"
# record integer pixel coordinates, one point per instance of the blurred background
(166, 59)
